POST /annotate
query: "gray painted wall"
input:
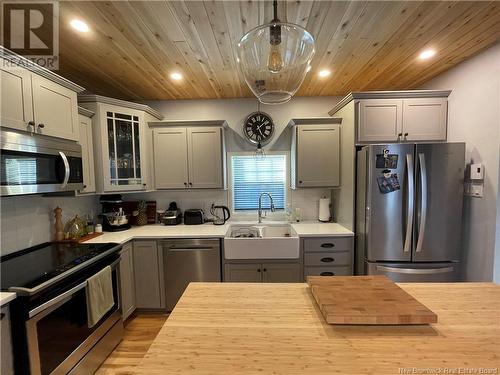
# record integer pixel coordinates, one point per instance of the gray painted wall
(474, 118)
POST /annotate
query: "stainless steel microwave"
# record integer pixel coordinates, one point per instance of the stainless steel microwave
(34, 164)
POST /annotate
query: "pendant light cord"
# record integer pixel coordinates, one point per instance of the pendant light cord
(275, 8)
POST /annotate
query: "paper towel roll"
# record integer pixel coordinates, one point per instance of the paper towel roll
(324, 209)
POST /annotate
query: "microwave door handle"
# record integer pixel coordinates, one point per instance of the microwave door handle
(423, 211)
(67, 169)
(411, 204)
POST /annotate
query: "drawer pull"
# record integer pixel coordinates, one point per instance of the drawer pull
(327, 245)
(328, 260)
(327, 274)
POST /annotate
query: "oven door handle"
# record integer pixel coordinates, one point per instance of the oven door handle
(67, 169)
(64, 296)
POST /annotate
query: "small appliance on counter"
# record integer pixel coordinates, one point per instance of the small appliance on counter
(194, 216)
(114, 218)
(172, 216)
(219, 214)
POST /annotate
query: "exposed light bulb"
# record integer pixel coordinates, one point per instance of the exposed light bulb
(275, 59)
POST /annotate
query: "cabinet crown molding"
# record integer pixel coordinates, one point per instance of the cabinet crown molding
(389, 95)
(27, 64)
(183, 123)
(85, 112)
(90, 98)
(314, 121)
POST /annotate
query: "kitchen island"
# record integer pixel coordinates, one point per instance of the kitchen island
(243, 328)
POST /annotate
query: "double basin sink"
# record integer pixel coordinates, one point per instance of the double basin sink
(261, 241)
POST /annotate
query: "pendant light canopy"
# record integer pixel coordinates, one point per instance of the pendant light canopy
(275, 58)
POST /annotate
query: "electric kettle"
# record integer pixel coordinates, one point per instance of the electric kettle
(219, 214)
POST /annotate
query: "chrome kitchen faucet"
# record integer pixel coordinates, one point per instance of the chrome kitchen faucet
(260, 205)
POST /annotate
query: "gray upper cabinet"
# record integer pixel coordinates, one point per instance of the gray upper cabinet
(315, 160)
(205, 157)
(85, 140)
(397, 116)
(31, 102)
(122, 143)
(170, 158)
(425, 119)
(191, 157)
(380, 120)
(17, 105)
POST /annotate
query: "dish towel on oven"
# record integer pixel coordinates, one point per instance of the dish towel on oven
(99, 296)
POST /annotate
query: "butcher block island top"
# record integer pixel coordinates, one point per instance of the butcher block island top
(264, 328)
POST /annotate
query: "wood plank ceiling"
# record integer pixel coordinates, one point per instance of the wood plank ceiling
(133, 46)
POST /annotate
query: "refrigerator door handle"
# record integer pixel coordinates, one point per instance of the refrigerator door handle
(423, 210)
(415, 271)
(411, 204)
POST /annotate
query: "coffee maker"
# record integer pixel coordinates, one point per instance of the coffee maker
(114, 219)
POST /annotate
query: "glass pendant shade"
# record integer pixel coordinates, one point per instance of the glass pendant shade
(274, 60)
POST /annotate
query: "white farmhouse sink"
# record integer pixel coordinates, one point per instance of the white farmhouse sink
(261, 241)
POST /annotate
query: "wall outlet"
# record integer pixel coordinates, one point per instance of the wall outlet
(472, 189)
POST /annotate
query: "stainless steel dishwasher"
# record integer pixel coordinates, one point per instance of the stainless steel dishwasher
(187, 260)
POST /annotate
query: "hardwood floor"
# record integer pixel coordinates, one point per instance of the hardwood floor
(140, 331)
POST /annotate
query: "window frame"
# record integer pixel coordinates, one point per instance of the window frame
(252, 214)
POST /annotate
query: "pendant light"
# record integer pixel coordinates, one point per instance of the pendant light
(274, 59)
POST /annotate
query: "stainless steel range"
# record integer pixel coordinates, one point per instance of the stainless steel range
(51, 334)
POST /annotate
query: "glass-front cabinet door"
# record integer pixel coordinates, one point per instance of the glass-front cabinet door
(124, 151)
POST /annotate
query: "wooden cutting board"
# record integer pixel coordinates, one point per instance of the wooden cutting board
(366, 300)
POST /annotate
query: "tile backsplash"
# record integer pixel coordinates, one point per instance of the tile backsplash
(29, 220)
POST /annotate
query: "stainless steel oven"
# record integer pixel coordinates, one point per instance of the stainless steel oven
(51, 331)
(32, 164)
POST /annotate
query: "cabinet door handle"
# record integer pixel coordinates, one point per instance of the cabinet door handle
(84, 186)
(190, 184)
(327, 274)
(41, 125)
(185, 184)
(264, 270)
(2, 315)
(406, 135)
(143, 184)
(258, 269)
(300, 182)
(328, 260)
(328, 245)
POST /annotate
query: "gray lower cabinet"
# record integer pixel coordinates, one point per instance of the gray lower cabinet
(7, 367)
(263, 272)
(328, 256)
(148, 273)
(127, 280)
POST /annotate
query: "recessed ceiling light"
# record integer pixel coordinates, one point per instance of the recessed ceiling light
(427, 54)
(79, 25)
(324, 73)
(176, 76)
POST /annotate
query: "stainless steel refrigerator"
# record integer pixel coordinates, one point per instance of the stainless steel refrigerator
(409, 211)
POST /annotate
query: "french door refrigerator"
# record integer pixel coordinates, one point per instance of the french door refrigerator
(408, 211)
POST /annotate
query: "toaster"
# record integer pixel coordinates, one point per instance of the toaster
(194, 217)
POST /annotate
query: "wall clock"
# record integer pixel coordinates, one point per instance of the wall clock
(258, 128)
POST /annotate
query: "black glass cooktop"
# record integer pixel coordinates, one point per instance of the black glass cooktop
(36, 265)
